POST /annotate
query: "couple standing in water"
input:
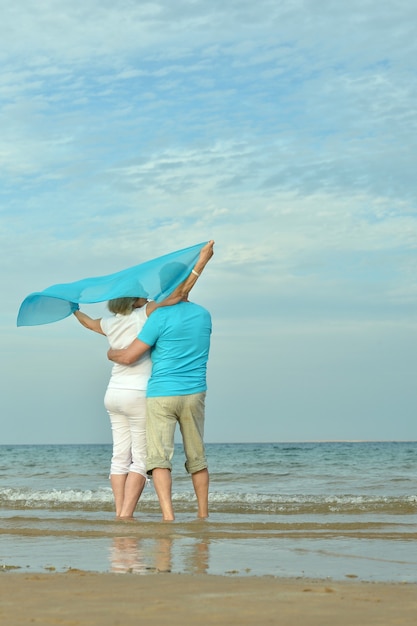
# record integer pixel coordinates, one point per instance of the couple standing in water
(158, 379)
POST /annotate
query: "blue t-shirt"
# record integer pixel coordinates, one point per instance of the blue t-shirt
(180, 339)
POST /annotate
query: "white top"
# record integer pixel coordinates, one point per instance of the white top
(121, 330)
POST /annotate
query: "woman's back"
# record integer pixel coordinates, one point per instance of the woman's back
(121, 330)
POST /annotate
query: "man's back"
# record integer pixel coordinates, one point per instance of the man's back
(180, 336)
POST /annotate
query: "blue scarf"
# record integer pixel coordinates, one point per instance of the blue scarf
(154, 280)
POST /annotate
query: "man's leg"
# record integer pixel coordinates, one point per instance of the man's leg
(162, 481)
(201, 488)
(192, 430)
(160, 429)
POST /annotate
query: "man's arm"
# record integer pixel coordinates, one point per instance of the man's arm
(206, 253)
(181, 292)
(129, 355)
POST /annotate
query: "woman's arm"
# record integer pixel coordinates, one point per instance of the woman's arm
(181, 292)
(88, 322)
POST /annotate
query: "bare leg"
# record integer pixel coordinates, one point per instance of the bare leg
(118, 486)
(163, 485)
(201, 487)
(133, 489)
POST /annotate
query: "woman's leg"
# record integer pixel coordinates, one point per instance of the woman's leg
(132, 491)
(118, 482)
(135, 409)
(121, 457)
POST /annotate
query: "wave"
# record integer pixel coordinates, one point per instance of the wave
(102, 499)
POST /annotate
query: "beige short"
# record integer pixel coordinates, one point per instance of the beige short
(162, 416)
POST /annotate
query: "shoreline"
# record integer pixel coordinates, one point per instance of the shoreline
(85, 598)
(370, 552)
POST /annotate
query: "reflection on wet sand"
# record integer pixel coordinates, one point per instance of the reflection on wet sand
(129, 555)
(282, 546)
(125, 556)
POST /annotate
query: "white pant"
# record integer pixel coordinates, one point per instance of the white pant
(127, 412)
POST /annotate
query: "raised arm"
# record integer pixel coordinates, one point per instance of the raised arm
(88, 322)
(205, 255)
(181, 292)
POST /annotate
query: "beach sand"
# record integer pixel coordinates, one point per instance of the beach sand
(82, 598)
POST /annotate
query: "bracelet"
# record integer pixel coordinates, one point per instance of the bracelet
(195, 273)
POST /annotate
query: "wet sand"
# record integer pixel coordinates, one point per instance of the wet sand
(81, 598)
(69, 571)
(367, 552)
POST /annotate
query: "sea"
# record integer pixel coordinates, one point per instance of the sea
(321, 510)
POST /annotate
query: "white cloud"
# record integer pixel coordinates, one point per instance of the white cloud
(282, 130)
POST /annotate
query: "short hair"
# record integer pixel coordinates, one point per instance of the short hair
(124, 306)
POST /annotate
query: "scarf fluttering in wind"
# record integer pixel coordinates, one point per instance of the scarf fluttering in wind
(154, 279)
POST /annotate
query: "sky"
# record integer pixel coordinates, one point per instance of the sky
(286, 132)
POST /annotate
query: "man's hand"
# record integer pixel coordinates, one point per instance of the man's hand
(206, 253)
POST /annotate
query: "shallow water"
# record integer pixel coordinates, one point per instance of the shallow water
(321, 510)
